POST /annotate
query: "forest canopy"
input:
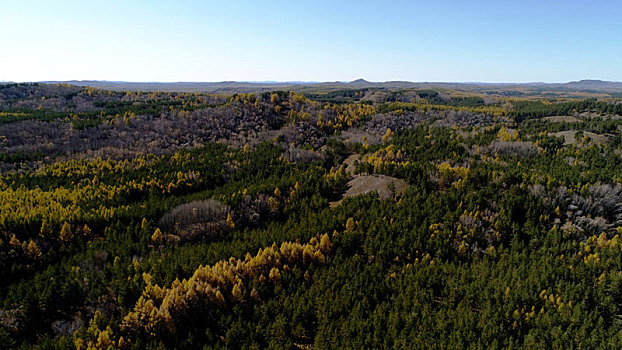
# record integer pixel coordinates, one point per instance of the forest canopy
(145, 220)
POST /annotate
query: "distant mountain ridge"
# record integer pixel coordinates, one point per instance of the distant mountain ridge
(227, 87)
(594, 84)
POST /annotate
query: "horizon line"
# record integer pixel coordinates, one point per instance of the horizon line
(302, 82)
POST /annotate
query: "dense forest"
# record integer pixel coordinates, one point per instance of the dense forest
(355, 218)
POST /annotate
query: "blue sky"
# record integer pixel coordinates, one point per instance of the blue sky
(433, 40)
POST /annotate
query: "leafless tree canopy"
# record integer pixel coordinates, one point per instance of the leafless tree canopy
(518, 148)
(194, 220)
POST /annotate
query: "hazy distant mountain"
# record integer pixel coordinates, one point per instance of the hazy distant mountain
(209, 87)
(359, 82)
(228, 87)
(598, 85)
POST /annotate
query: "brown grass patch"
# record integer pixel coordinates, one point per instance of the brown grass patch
(562, 118)
(367, 183)
(569, 136)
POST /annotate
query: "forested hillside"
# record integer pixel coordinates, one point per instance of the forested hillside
(152, 220)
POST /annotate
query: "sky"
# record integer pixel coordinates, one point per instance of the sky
(433, 40)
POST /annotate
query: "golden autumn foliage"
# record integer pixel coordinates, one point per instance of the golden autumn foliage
(274, 99)
(230, 220)
(275, 274)
(325, 244)
(384, 156)
(144, 224)
(346, 115)
(273, 203)
(46, 229)
(14, 242)
(387, 135)
(336, 174)
(159, 308)
(54, 206)
(506, 134)
(32, 250)
(99, 339)
(592, 247)
(350, 225)
(86, 230)
(66, 234)
(455, 175)
(157, 236)
(553, 300)
(463, 249)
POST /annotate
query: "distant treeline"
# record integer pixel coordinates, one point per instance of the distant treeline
(529, 109)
